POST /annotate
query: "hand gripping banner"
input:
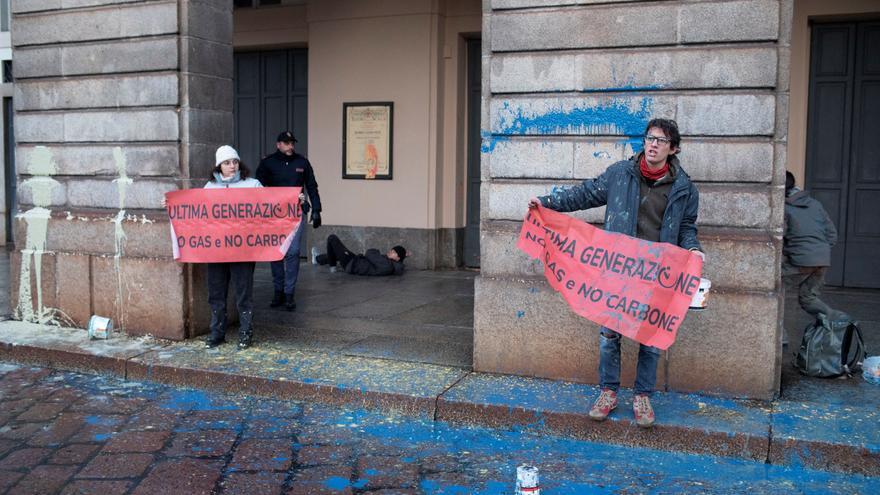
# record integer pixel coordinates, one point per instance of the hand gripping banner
(233, 224)
(640, 289)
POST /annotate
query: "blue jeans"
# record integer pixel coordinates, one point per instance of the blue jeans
(286, 270)
(609, 364)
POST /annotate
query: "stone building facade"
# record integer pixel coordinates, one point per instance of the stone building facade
(115, 104)
(119, 101)
(568, 90)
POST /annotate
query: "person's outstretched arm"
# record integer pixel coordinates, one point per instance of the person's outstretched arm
(588, 194)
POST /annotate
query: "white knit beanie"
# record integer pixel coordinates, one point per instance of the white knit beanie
(224, 153)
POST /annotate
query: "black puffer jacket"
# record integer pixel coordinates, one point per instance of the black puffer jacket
(280, 170)
(373, 263)
(809, 232)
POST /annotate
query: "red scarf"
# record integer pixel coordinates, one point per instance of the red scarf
(652, 174)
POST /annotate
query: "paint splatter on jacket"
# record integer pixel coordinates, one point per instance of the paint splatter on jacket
(618, 190)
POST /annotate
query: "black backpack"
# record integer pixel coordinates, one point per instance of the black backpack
(831, 347)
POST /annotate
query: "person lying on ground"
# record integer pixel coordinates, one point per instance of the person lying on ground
(372, 263)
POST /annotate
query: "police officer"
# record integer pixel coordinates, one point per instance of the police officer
(286, 168)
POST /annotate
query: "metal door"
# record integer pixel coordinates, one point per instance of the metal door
(474, 92)
(271, 89)
(270, 97)
(843, 144)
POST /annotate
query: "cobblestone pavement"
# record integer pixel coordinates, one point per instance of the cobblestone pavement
(71, 433)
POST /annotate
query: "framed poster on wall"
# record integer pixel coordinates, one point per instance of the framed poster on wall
(366, 140)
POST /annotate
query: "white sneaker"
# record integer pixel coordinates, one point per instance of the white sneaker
(333, 269)
(315, 254)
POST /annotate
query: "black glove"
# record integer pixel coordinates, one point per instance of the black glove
(316, 219)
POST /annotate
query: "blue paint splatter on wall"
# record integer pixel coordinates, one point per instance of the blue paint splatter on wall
(615, 116)
(489, 141)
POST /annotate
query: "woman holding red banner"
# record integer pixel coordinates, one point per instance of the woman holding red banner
(230, 172)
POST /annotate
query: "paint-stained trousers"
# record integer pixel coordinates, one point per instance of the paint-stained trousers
(609, 364)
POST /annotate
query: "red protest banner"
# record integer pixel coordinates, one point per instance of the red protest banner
(227, 225)
(640, 289)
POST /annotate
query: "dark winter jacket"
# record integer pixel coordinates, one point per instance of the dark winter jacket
(280, 170)
(618, 189)
(809, 232)
(373, 263)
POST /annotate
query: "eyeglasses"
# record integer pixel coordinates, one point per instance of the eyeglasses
(657, 139)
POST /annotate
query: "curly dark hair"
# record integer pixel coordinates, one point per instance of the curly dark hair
(243, 170)
(669, 127)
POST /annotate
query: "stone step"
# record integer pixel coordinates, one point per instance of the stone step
(831, 437)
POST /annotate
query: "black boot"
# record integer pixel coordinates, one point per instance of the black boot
(218, 329)
(290, 305)
(277, 300)
(245, 330)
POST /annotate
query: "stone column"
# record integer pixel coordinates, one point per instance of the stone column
(116, 103)
(568, 90)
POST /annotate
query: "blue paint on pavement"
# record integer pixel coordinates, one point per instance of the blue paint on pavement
(195, 400)
(590, 467)
(101, 421)
(481, 460)
(336, 483)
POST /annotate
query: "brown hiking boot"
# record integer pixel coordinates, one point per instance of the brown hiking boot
(643, 411)
(606, 403)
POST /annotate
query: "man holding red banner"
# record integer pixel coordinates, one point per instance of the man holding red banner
(649, 197)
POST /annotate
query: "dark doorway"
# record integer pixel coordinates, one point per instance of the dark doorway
(271, 95)
(474, 94)
(843, 149)
(9, 168)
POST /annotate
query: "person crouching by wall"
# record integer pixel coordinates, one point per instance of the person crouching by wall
(230, 172)
(806, 247)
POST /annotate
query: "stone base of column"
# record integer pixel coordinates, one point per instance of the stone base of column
(90, 263)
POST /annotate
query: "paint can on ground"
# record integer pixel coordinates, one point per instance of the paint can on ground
(701, 297)
(100, 327)
(871, 370)
(527, 480)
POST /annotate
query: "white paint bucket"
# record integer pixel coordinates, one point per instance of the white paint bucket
(527, 480)
(100, 327)
(701, 296)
